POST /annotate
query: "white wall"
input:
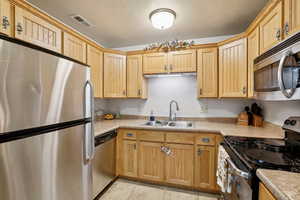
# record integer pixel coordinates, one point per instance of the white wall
(182, 89)
(277, 112)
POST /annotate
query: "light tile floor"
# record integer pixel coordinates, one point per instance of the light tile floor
(129, 190)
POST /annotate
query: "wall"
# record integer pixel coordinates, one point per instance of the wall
(277, 112)
(183, 89)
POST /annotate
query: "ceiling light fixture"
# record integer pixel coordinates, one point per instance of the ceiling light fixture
(162, 18)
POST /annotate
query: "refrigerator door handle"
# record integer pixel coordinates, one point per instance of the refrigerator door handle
(89, 138)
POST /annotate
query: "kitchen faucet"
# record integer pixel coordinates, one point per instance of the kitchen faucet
(172, 117)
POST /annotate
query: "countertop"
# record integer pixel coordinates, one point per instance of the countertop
(283, 185)
(225, 128)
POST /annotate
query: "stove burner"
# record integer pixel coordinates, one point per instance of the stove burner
(268, 159)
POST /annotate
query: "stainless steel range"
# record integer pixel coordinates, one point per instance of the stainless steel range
(246, 155)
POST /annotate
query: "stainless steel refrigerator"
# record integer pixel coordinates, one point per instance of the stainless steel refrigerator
(46, 124)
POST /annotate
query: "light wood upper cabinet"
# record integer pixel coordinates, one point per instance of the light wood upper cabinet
(155, 63)
(114, 75)
(74, 47)
(182, 61)
(95, 61)
(151, 161)
(207, 73)
(179, 165)
(271, 29)
(6, 18)
(253, 52)
(291, 17)
(33, 29)
(233, 69)
(136, 83)
(129, 155)
(264, 193)
(205, 168)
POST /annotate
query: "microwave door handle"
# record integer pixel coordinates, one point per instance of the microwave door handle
(286, 92)
(89, 138)
(237, 171)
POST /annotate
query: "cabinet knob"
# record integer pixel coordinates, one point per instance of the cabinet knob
(5, 22)
(199, 152)
(139, 92)
(200, 91)
(278, 34)
(166, 68)
(134, 146)
(19, 28)
(124, 92)
(205, 140)
(129, 134)
(244, 90)
(171, 67)
(286, 28)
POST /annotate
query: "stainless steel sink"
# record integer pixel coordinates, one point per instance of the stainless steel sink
(175, 124)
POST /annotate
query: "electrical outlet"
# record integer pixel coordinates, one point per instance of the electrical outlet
(204, 108)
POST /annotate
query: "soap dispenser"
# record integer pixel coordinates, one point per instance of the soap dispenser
(152, 118)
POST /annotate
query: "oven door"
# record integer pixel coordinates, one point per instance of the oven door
(239, 183)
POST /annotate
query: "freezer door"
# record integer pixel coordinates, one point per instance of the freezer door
(46, 167)
(38, 88)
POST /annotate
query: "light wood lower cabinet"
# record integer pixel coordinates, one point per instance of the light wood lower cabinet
(233, 69)
(33, 29)
(95, 61)
(114, 75)
(207, 74)
(205, 167)
(151, 161)
(136, 83)
(264, 193)
(5, 17)
(191, 162)
(179, 167)
(129, 155)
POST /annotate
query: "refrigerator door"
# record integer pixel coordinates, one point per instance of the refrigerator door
(46, 167)
(38, 88)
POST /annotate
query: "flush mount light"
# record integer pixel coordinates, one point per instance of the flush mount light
(162, 18)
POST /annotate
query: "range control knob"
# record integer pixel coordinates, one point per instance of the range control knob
(287, 122)
(293, 122)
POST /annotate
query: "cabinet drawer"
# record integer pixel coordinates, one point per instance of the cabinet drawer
(129, 134)
(154, 136)
(181, 138)
(206, 139)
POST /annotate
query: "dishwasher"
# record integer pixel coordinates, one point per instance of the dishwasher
(104, 162)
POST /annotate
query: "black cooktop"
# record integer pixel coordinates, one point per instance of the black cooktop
(265, 153)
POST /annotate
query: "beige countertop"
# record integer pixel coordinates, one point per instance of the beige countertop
(225, 128)
(283, 185)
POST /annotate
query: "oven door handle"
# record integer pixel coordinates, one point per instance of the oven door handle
(286, 92)
(236, 171)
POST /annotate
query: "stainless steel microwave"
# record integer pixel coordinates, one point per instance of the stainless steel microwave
(277, 72)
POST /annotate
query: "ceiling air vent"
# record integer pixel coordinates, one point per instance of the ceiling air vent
(81, 20)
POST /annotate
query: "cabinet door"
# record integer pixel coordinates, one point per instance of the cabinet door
(253, 52)
(6, 19)
(151, 161)
(33, 29)
(207, 77)
(270, 29)
(233, 69)
(114, 75)
(74, 48)
(136, 83)
(180, 164)
(264, 193)
(129, 158)
(95, 61)
(155, 63)
(182, 61)
(205, 169)
(291, 17)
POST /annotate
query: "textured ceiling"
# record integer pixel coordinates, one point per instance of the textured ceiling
(120, 23)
